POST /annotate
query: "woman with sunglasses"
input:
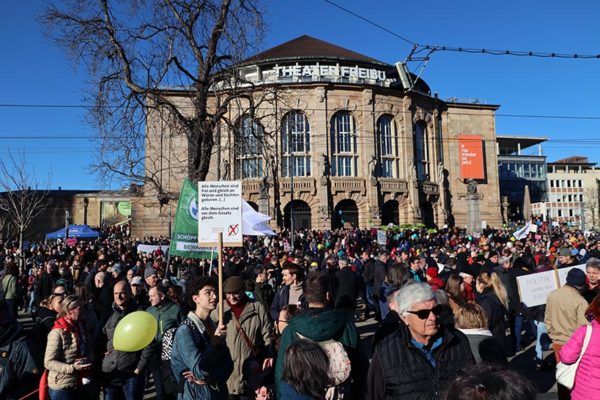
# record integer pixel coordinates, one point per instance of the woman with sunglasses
(66, 353)
(420, 358)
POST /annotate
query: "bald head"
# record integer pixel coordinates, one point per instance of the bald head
(99, 279)
(121, 294)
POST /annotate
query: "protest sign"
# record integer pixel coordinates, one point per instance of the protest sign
(535, 288)
(220, 210)
(381, 237)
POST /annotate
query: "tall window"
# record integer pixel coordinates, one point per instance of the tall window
(295, 144)
(249, 146)
(386, 140)
(421, 151)
(343, 145)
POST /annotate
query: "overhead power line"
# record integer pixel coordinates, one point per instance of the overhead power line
(420, 47)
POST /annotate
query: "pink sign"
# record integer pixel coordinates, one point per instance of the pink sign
(71, 241)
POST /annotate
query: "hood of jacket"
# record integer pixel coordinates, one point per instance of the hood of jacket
(320, 323)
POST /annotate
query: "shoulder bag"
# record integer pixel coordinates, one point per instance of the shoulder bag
(565, 374)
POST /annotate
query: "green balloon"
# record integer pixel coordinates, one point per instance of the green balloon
(135, 331)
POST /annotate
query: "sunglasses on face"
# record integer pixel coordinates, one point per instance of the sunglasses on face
(424, 314)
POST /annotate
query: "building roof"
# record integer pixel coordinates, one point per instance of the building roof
(510, 143)
(307, 47)
(573, 160)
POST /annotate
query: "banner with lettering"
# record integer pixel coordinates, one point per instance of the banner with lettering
(184, 239)
(471, 157)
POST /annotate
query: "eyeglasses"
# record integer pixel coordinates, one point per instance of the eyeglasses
(424, 314)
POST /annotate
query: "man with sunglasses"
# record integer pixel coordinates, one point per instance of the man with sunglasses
(420, 358)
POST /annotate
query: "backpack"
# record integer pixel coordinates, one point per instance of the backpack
(339, 367)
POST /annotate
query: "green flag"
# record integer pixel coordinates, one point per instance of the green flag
(184, 240)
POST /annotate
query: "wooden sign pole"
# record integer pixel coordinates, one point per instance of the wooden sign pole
(220, 271)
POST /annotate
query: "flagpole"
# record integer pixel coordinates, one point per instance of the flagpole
(220, 277)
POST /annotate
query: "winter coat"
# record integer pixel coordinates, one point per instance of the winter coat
(379, 272)
(264, 293)
(64, 347)
(347, 289)
(255, 322)
(20, 364)
(9, 287)
(117, 363)
(318, 324)
(496, 315)
(399, 370)
(484, 346)
(168, 315)
(193, 351)
(565, 312)
(587, 378)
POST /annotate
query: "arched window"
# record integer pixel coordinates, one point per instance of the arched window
(343, 145)
(249, 146)
(386, 139)
(421, 151)
(295, 144)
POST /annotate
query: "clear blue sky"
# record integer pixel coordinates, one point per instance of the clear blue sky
(36, 72)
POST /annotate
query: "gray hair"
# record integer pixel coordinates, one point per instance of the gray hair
(412, 293)
(343, 260)
(593, 263)
(503, 260)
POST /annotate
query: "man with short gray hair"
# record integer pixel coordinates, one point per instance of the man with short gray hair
(420, 358)
(592, 271)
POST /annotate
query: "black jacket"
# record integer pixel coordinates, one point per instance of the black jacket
(379, 272)
(347, 289)
(496, 314)
(119, 364)
(399, 370)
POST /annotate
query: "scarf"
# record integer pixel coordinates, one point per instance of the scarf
(238, 308)
(75, 329)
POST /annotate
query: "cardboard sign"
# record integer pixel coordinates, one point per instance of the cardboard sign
(220, 210)
(535, 288)
(471, 157)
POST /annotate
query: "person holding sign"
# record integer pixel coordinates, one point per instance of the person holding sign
(199, 359)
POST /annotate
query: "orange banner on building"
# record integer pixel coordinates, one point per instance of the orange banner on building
(471, 157)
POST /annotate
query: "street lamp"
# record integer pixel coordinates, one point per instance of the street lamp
(291, 175)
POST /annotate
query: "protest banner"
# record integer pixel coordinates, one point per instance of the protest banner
(535, 288)
(184, 239)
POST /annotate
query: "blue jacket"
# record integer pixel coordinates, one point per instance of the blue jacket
(193, 351)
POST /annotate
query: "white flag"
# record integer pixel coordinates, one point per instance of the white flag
(523, 232)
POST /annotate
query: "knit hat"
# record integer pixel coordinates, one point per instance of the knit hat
(117, 268)
(137, 280)
(233, 284)
(432, 272)
(149, 272)
(564, 252)
(576, 278)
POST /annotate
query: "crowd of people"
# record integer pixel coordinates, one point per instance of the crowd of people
(447, 307)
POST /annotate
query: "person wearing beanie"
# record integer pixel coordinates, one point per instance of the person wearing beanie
(248, 335)
(565, 312)
(432, 276)
(150, 277)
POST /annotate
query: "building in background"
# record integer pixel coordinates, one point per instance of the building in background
(342, 141)
(573, 185)
(520, 163)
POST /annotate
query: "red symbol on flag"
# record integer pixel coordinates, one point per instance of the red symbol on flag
(233, 229)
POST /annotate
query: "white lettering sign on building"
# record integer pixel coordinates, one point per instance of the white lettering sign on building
(220, 210)
(330, 72)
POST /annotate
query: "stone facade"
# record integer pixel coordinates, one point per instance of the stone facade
(405, 180)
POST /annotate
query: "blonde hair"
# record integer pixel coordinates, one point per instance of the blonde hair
(69, 303)
(492, 281)
(471, 316)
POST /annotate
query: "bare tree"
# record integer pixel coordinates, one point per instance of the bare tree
(22, 199)
(143, 57)
(591, 203)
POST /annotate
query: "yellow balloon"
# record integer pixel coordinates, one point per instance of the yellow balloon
(135, 331)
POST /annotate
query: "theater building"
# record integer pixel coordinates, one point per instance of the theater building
(339, 140)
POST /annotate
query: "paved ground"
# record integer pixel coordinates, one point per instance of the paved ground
(522, 362)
